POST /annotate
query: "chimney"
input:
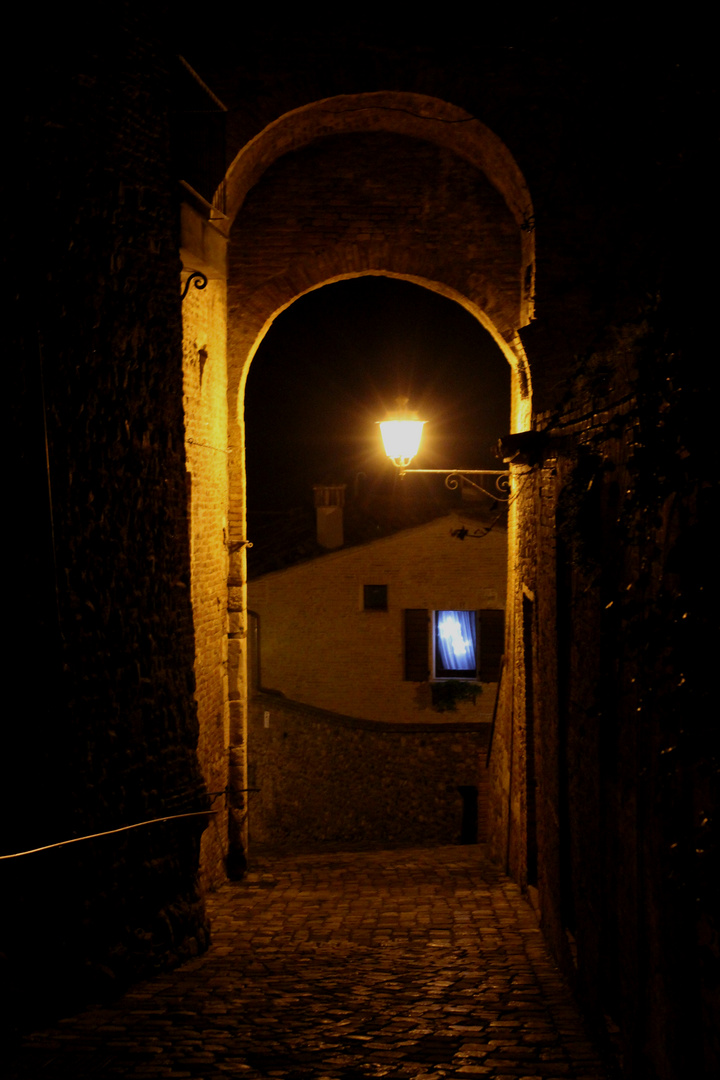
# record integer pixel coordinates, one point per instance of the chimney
(329, 502)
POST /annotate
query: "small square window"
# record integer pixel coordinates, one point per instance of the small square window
(375, 597)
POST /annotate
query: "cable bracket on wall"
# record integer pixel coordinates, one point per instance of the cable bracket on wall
(209, 446)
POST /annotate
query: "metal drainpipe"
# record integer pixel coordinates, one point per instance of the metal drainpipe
(510, 782)
(256, 646)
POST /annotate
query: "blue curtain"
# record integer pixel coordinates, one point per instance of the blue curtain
(456, 640)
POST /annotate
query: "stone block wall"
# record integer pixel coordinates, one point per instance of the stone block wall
(321, 777)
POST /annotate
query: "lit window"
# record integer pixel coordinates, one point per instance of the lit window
(455, 645)
(473, 644)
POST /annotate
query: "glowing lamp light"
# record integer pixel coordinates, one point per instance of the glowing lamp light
(401, 433)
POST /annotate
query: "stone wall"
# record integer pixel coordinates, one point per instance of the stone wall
(103, 729)
(321, 777)
(609, 706)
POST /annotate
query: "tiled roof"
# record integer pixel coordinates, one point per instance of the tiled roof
(282, 538)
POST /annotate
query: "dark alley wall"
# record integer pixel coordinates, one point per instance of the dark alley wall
(101, 732)
(614, 745)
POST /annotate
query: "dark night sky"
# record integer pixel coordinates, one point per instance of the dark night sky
(334, 362)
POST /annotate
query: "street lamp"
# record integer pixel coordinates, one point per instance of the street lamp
(401, 433)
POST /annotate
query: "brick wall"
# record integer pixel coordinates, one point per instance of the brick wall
(385, 199)
(205, 408)
(374, 201)
(319, 646)
(395, 183)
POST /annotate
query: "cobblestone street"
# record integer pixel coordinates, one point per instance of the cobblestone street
(406, 963)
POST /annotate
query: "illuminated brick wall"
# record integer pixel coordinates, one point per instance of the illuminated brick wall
(205, 408)
(396, 183)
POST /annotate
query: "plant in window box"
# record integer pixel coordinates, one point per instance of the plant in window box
(447, 693)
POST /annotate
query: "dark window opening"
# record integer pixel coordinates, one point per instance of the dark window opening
(375, 597)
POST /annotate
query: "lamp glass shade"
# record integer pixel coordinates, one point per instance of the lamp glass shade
(401, 439)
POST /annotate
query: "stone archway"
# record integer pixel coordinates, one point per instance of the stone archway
(389, 183)
(386, 183)
(502, 296)
(415, 115)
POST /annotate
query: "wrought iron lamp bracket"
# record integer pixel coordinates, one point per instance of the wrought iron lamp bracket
(200, 280)
(455, 476)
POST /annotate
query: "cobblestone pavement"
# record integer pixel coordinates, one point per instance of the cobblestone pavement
(343, 966)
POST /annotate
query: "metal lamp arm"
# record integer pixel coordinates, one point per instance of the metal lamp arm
(453, 477)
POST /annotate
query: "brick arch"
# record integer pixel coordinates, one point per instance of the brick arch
(267, 304)
(417, 189)
(394, 184)
(417, 115)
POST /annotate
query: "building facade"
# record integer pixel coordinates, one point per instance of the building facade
(376, 669)
(358, 631)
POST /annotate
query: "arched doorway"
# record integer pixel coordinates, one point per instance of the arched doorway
(394, 184)
(378, 756)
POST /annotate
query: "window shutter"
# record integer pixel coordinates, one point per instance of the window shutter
(416, 644)
(491, 624)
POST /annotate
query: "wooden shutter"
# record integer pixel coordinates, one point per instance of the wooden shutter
(491, 634)
(417, 625)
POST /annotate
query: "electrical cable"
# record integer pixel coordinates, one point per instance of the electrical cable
(108, 832)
